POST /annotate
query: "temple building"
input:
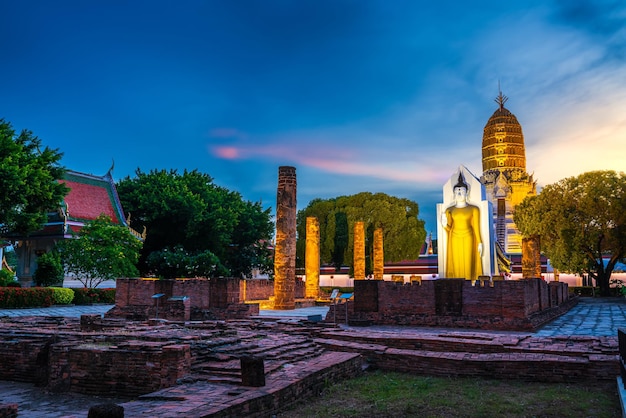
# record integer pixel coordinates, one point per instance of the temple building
(89, 197)
(504, 173)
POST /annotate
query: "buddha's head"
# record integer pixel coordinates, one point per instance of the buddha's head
(460, 189)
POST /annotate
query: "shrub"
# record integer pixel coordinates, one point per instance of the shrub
(11, 297)
(49, 270)
(86, 296)
(62, 295)
(7, 277)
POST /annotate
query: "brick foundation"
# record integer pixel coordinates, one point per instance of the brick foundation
(508, 305)
(192, 299)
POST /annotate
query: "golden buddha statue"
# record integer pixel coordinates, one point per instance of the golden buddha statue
(461, 222)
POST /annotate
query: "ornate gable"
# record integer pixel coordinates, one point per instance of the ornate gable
(91, 196)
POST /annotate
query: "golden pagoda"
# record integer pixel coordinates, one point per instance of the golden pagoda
(504, 173)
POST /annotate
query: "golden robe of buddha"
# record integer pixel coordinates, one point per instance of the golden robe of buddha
(462, 225)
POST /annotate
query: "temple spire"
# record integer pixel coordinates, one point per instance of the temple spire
(501, 99)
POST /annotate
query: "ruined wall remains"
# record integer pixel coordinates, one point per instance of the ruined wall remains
(137, 369)
(263, 289)
(182, 300)
(507, 305)
(285, 248)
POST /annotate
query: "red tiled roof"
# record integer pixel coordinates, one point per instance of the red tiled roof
(87, 201)
(91, 196)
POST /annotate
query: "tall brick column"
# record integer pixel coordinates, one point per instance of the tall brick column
(359, 251)
(312, 258)
(531, 257)
(285, 248)
(379, 255)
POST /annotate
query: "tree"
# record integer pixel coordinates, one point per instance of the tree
(582, 223)
(403, 231)
(49, 269)
(178, 262)
(100, 251)
(30, 186)
(191, 214)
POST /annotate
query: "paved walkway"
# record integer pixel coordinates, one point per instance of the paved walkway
(598, 317)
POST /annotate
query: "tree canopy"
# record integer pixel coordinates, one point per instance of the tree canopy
(581, 222)
(100, 251)
(403, 231)
(187, 215)
(30, 186)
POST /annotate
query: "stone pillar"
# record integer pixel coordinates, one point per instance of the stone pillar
(359, 251)
(531, 257)
(312, 258)
(379, 255)
(285, 248)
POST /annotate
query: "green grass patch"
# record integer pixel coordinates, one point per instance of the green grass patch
(387, 394)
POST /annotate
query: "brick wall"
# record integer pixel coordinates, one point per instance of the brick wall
(131, 368)
(24, 358)
(136, 294)
(263, 289)
(508, 305)
(139, 292)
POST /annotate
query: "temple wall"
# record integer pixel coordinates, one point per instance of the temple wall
(133, 292)
(263, 289)
(508, 305)
(202, 294)
(130, 369)
(185, 299)
(24, 359)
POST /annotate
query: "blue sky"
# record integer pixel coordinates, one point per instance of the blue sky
(380, 96)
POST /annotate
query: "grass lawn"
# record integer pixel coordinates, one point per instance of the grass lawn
(380, 394)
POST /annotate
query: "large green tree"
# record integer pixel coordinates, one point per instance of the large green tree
(100, 251)
(188, 214)
(582, 223)
(29, 181)
(403, 231)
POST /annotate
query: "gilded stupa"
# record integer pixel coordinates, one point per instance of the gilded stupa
(504, 173)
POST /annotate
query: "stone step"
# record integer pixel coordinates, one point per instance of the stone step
(284, 386)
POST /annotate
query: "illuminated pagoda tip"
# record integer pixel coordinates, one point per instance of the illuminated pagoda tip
(501, 99)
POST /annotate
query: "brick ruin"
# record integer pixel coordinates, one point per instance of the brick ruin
(519, 305)
(196, 299)
(258, 367)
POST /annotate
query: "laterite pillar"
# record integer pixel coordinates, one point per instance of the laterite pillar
(359, 251)
(379, 254)
(285, 248)
(312, 258)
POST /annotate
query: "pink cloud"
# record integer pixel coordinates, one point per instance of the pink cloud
(332, 160)
(227, 153)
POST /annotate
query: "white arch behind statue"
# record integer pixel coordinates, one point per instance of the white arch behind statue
(477, 196)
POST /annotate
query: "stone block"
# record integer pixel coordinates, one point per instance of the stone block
(252, 371)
